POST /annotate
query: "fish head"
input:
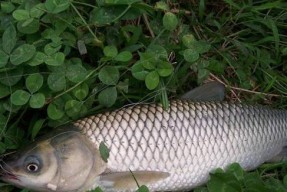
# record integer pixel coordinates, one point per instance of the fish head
(64, 162)
(31, 167)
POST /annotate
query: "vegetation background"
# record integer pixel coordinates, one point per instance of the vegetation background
(61, 60)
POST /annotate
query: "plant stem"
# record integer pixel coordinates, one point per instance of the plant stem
(98, 42)
(122, 14)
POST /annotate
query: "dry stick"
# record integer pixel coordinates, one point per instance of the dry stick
(245, 90)
(148, 26)
(178, 11)
(195, 30)
(203, 34)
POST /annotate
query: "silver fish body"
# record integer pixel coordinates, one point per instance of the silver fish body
(188, 141)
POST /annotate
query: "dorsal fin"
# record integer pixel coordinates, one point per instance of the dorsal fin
(212, 91)
(128, 180)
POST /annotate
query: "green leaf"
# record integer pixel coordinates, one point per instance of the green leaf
(81, 92)
(37, 127)
(37, 11)
(138, 71)
(164, 68)
(254, 183)
(51, 49)
(104, 151)
(28, 26)
(202, 75)
(20, 97)
(148, 64)
(149, 59)
(3, 58)
(201, 189)
(3, 109)
(61, 26)
(123, 86)
(21, 14)
(3, 122)
(109, 75)
(9, 39)
(110, 51)
(223, 182)
(284, 51)
(38, 59)
(162, 6)
(236, 170)
(108, 96)
(97, 189)
(3, 148)
(152, 80)
(54, 113)
(37, 100)
(170, 21)
(143, 188)
(121, 2)
(106, 15)
(190, 55)
(268, 5)
(73, 108)
(132, 34)
(34, 82)
(285, 180)
(57, 6)
(27, 22)
(233, 4)
(56, 81)
(4, 91)
(201, 46)
(149, 56)
(22, 54)
(273, 26)
(11, 77)
(7, 7)
(202, 64)
(13, 135)
(124, 56)
(158, 51)
(55, 59)
(216, 66)
(76, 73)
(188, 40)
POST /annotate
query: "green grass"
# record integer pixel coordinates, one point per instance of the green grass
(60, 62)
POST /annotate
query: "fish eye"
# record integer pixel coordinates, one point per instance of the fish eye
(32, 164)
(32, 167)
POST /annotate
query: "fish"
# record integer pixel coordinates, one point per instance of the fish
(172, 149)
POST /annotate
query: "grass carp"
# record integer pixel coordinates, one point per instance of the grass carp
(167, 150)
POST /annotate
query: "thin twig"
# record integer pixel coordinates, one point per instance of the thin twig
(122, 14)
(99, 42)
(246, 90)
(225, 84)
(148, 26)
(180, 11)
(73, 87)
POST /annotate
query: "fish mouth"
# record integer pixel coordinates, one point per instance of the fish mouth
(8, 176)
(6, 173)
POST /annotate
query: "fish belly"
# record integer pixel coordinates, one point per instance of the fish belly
(189, 140)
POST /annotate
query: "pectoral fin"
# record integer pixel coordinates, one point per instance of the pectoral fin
(129, 180)
(212, 91)
(282, 156)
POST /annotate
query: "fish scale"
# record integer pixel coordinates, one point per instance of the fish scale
(188, 140)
